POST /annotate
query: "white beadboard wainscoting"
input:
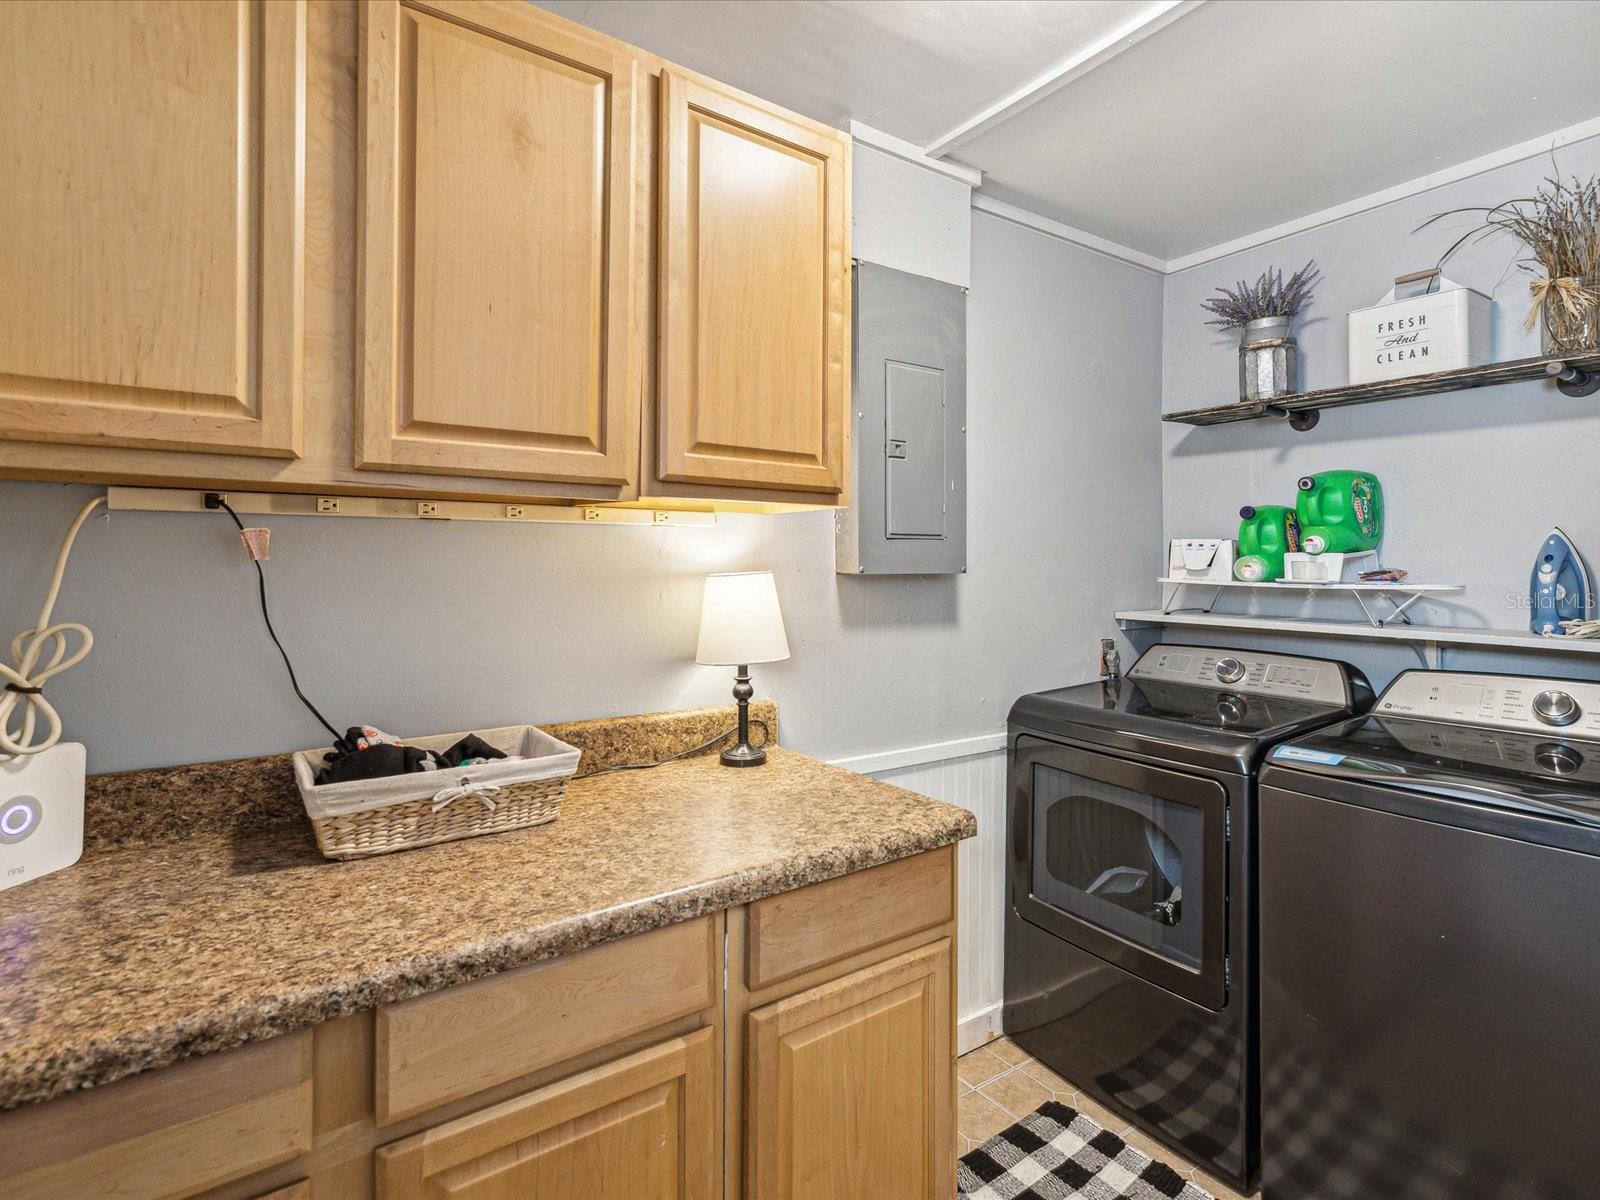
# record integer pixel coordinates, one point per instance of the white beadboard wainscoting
(970, 772)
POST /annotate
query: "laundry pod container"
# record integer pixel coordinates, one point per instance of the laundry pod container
(1266, 534)
(1340, 512)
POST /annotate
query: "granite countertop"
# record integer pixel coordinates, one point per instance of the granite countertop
(156, 947)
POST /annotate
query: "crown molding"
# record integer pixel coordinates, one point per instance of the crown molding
(912, 153)
(1532, 148)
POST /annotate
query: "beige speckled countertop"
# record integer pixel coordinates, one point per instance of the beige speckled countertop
(155, 949)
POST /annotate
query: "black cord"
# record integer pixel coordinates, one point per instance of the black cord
(261, 577)
(766, 740)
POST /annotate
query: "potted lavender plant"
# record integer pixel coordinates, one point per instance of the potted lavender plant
(1264, 312)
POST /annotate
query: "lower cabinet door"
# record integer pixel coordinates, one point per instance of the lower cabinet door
(643, 1127)
(850, 1086)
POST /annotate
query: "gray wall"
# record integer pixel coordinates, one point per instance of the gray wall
(1473, 480)
(423, 627)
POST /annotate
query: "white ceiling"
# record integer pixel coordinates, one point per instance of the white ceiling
(913, 68)
(1217, 120)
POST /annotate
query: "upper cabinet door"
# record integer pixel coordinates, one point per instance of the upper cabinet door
(151, 223)
(499, 268)
(754, 300)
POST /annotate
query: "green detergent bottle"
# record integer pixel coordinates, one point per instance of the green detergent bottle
(1266, 534)
(1340, 512)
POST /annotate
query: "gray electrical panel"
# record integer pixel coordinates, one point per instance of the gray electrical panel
(908, 468)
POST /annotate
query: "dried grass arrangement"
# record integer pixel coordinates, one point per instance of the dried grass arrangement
(1269, 296)
(1559, 227)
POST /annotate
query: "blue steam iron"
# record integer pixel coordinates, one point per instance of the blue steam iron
(1561, 588)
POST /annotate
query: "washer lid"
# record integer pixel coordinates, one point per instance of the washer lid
(1532, 774)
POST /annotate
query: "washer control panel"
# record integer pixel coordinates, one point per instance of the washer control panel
(1523, 704)
(1314, 679)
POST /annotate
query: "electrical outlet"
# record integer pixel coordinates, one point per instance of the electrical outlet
(591, 514)
(427, 508)
(327, 504)
(516, 512)
(660, 518)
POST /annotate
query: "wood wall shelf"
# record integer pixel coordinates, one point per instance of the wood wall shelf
(1574, 374)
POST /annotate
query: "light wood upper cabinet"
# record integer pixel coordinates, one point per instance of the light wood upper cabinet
(500, 261)
(151, 223)
(643, 1127)
(850, 1088)
(753, 309)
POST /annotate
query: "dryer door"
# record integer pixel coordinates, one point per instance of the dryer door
(1126, 860)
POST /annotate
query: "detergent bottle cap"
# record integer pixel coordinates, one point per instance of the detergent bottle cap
(1248, 511)
(1307, 482)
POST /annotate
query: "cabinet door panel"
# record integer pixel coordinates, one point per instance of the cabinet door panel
(850, 1086)
(643, 1126)
(151, 227)
(499, 254)
(753, 309)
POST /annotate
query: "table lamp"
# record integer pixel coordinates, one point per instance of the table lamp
(740, 624)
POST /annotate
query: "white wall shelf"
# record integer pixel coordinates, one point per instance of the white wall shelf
(1400, 596)
(1429, 636)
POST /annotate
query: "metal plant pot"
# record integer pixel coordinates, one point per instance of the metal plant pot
(1269, 359)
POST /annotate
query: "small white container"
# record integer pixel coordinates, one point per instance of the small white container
(1442, 329)
(1200, 559)
(1324, 568)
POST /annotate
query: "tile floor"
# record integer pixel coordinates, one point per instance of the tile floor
(999, 1084)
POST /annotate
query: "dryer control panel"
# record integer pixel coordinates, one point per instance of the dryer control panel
(1314, 679)
(1521, 703)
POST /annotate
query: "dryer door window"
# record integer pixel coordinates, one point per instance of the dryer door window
(1120, 859)
(1126, 860)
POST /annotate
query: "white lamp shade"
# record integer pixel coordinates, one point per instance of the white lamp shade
(740, 621)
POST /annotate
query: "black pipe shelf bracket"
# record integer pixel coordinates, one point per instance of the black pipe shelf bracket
(1573, 380)
(1575, 375)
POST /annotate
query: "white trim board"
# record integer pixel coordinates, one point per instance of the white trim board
(1067, 233)
(1522, 151)
(1531, 148)
(978, 1029)
(1126, 36)
(916, 756)
(912, 153)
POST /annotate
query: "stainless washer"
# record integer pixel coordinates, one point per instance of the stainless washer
(1430, 946)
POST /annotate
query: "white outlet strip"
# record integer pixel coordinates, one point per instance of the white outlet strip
(289, 504)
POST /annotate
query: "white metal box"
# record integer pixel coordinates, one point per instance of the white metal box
(1200, 560)
(1439, 330)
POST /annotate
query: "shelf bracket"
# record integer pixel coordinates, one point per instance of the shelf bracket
(1573, 381)
(1300, 419)
(1168, 605)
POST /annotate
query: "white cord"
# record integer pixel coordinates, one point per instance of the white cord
(26, 649)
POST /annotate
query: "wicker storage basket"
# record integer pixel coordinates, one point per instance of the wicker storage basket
(399, 812)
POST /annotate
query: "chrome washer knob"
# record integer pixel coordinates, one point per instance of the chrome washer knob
(1230, 670)
(1558, 759)
(1556, 708)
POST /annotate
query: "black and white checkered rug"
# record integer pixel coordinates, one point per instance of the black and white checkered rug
(1057, 1153)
